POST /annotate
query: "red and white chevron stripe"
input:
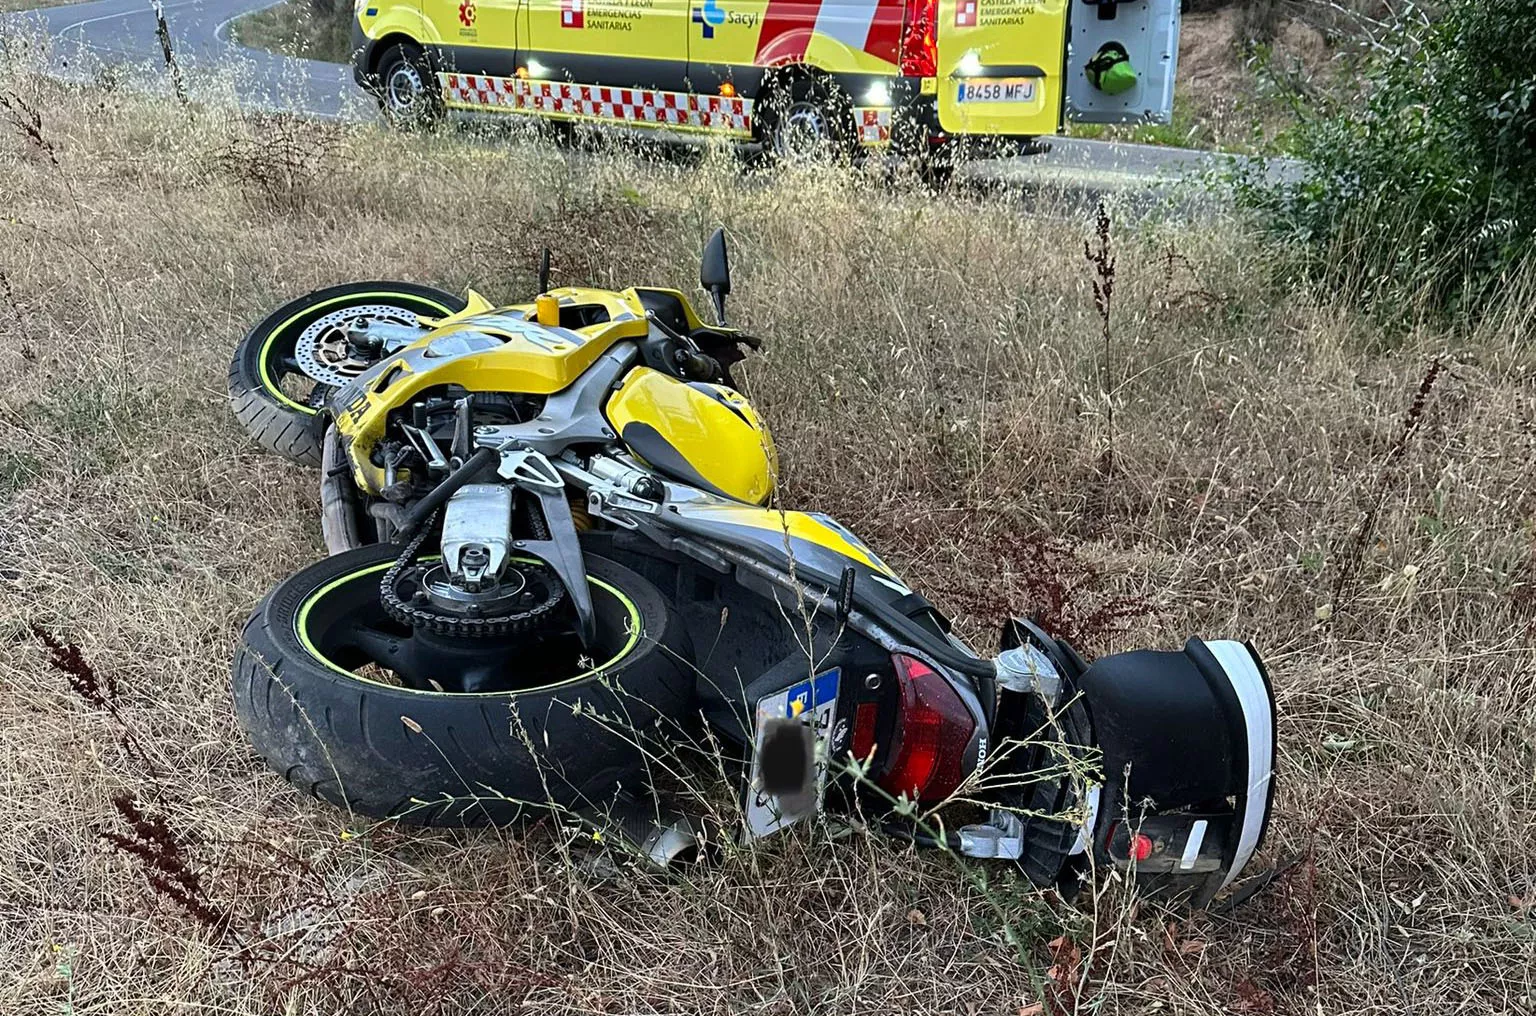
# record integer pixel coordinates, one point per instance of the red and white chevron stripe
(640, 106)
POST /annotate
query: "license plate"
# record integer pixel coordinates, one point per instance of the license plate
(997, 90)
(813, 702)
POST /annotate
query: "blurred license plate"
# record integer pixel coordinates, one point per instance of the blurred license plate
(997, 90)
(813, 702)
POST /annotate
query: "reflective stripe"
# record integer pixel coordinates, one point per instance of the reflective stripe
(643, 107)
(873, 123)
(1192, 845)
(1252, 694)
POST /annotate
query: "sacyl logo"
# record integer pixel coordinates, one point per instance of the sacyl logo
(708, 16)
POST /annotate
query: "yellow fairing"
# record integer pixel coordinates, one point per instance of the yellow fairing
(697, 433)
(804, 532)
(525, 357)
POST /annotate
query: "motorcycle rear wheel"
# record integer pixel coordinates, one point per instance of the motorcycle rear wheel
(278, 389)
(323, 709)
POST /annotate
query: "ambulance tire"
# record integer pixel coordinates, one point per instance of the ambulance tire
(806, 120)
(407, 88)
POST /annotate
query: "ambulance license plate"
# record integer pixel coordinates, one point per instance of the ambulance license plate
(997, 90)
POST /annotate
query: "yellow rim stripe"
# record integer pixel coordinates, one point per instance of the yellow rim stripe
(261, 363)
(301, 629)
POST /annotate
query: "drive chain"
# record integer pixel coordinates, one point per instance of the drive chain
(465, 627)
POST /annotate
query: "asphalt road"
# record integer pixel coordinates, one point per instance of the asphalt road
(102, 33)
(89, 37)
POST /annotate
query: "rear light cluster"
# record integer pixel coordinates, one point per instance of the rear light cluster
(933, 728)
(919, 34)
(1126, 844)
(865, 719)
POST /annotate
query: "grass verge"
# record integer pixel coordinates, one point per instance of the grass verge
(295, 28)
(939, 379)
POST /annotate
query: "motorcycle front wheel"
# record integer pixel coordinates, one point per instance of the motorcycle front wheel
(285, 368)
(351, 706)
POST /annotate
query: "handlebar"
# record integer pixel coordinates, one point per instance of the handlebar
(669, 331)
(699, 366)
(750, 341)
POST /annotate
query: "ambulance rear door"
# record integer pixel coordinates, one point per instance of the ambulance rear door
(999, 65)
(1121, 60)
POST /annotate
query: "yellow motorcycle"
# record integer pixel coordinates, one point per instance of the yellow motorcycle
(555, 559)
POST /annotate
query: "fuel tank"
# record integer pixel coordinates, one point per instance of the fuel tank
(701, 434)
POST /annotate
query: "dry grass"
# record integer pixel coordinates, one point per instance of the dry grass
(933, 377)
(296, 28)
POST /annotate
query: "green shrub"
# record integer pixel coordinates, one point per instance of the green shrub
(1420, 193)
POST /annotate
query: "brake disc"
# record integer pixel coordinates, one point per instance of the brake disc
(323, 352)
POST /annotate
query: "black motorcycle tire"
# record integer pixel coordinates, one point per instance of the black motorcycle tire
(277, 421)
(454, 758)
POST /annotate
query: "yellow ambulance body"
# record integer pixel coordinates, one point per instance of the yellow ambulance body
(794, 74)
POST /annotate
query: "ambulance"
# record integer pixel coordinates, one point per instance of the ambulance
(797, 78)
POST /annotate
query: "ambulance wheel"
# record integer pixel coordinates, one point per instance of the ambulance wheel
(407, 88)
(805, 121)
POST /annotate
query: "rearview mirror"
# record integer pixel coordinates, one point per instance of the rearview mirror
(715, 272)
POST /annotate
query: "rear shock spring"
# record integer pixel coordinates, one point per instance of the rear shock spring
(579, 515)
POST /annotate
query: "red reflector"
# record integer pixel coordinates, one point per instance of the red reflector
(933, 728)
(919, 49)
(1141, 847)
(864, 718)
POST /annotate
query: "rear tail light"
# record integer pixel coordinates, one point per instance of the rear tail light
(933, 728)
(865, 717)
(919, 33)
(1128, 844)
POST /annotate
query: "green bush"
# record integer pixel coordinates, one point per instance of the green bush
(1420, 192)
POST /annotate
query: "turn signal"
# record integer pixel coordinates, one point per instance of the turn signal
(727, 89)
(933, 728)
